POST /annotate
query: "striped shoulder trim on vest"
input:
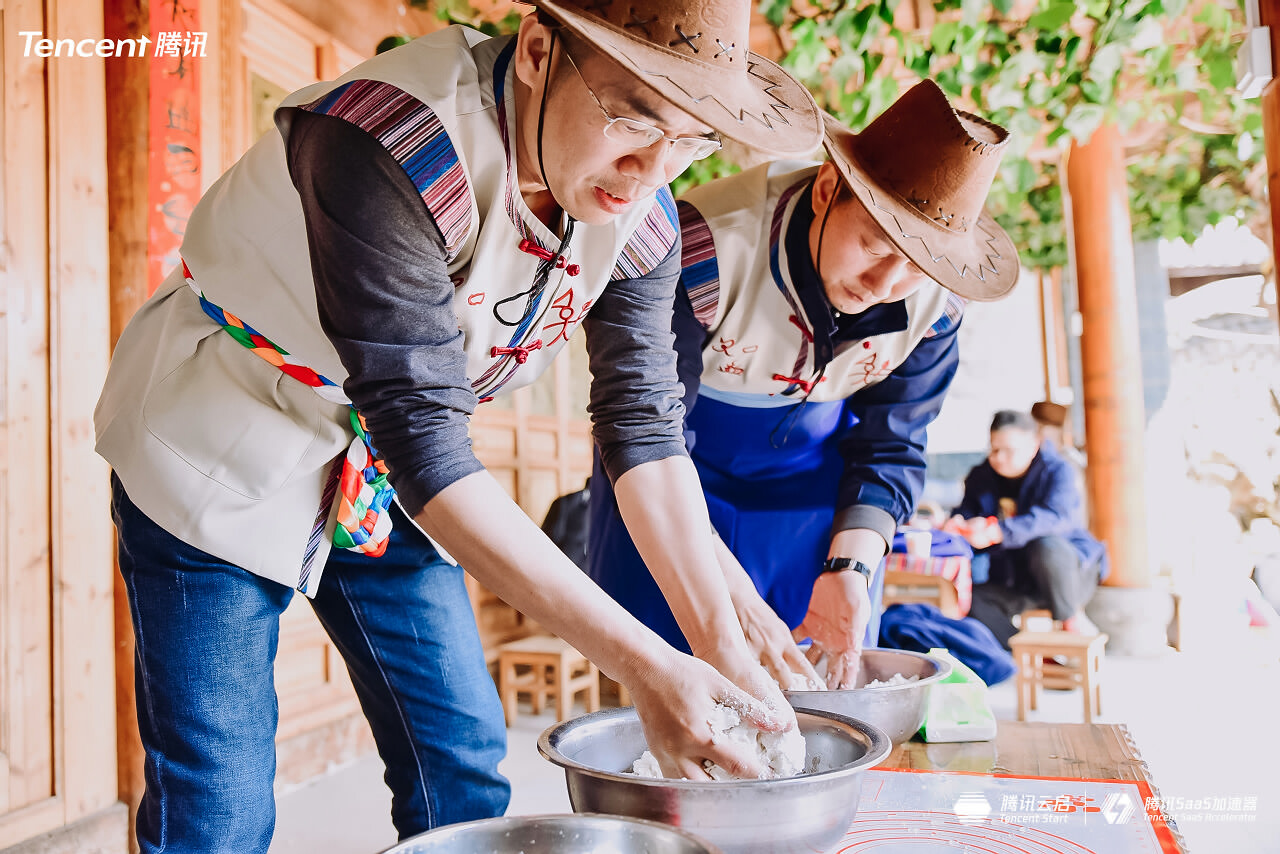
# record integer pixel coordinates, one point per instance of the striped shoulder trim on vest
(415, 137)
(651, 242)
(700, 272)
(951, 315)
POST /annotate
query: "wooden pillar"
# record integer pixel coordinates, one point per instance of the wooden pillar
(1046, 338)
(127, 90)
(1269, 16)
(1060, 359)
(1110, 359)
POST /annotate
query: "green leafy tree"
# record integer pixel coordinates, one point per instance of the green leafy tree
(1051, 72)
(462, 12)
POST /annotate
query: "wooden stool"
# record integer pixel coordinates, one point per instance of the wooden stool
(543, 666)
(1083, 668)
(609, 686)
(908, 587)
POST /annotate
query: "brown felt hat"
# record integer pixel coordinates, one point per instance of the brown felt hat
(1048, 412)
(694, 53)
(922, 170)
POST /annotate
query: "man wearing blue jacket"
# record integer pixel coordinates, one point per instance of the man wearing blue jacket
(816, 325)
(1022, 513)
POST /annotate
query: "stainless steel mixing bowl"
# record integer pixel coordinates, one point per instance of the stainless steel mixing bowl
(807, 813)
(555, 834)
(898, 710)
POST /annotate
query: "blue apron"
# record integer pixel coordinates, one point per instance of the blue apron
(771, 477)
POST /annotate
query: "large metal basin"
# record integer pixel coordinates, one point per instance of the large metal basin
(898, 710)
(808, 813)
(555, 834)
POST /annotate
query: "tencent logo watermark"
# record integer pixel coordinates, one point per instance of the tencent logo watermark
(177, 44)
(972, 808)
(1118, 808)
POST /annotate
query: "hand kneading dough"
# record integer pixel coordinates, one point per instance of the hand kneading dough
(781, 754)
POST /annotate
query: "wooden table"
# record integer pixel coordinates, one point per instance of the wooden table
(1026, 749)
(1082, 751)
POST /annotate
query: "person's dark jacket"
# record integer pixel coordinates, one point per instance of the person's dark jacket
(567, 524)
(1048, 505)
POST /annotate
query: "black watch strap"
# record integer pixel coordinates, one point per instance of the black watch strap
(840, 564)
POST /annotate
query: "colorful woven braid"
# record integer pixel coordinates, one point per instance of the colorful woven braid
(364, 495)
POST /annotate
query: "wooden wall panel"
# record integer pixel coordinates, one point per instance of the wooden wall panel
(281, 45)
(79, 347)
(57, 683)
(26, 616)
(362, 25)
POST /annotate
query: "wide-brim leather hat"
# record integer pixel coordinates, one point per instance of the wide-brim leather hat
(922, 170)
(695, 54)
(1050, 413)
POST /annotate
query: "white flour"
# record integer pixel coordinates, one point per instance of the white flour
(781, 754)
(804, 683)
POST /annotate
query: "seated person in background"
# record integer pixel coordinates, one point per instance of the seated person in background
(1021, 511)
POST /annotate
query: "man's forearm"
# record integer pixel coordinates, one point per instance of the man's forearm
(491, 537)
(662, 505)
(860, 544)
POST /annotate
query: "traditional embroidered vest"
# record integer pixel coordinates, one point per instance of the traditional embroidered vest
(233, 457)
(736, 272)
(246, 244)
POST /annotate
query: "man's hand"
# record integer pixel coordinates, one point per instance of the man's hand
(752, 678)
(674, 693)
(675, 704)
(980, 532)
(768, 638)
(839, 611)
(986, 533)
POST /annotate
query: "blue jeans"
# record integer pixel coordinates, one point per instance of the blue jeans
(206, 634)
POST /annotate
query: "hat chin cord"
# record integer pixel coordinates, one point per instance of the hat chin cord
(542, 169)
(542, 110)
(822, 233)
(543, 272)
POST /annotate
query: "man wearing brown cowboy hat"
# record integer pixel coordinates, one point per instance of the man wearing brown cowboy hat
(816, 326)
(289, 412)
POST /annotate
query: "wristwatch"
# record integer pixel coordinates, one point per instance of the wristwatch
(839, 564)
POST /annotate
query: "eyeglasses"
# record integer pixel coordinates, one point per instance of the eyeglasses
(636, 134)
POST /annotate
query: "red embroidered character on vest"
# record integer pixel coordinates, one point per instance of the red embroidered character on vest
(568, 316)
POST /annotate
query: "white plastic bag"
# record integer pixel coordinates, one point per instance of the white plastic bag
(957, 709)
